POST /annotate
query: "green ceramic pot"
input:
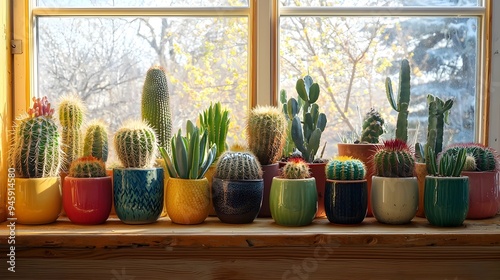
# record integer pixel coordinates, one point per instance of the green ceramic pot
(293, 202)
(446, 200)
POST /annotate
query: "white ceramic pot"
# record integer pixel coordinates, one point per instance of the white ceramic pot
(394, 200)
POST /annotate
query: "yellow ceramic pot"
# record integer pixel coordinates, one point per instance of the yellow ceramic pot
(188, 200)
(38, 200)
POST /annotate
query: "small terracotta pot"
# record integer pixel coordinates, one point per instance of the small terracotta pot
(483, 194)
(38, 200)
(188, 200)
(421, 173)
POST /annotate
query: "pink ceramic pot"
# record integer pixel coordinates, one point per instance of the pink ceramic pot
(87, 200)
(483, 194)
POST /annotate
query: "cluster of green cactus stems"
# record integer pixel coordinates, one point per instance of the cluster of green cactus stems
(394, 159)
(191, 155)
(306, 132)
(71, 114)
(215, 120)
(266, 132)
(296, 168)
(373, 127)
(155, 105)
(448, 165)
(96, 140)
(238, 166)
(87, 167)
(36, 144)
(484, 158)
(403, 100)
(135, 144)
(345, 168)
(438, 115)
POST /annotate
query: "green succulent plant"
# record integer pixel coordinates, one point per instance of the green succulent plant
(71, 116)
(345, 168)
(449, 164)
(96, 140)
(135, 144)
(403, 100)
(87, 167)
(394, 159)
(373, 127)
(215, 120)
(296, 168)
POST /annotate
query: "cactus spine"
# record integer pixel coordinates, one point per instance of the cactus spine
(71, 113)
(36, 144)
(306, 133)
(372, 127)
(135, 144)
(295, 168)
(238, 166)
(87, 167)
(394, 159)
(266, 131)
(96, 141)
(155, 105)
(401, 106)
(345, 168)
(485, 158)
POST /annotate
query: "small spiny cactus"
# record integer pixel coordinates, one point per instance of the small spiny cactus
(96, 140)
(71, 114)
(345, 168)
(238, 166)
(87, 167)
(135, 145)
(486, 158)
(295, 168)
(470, 163)
(394, 159)
(372, 127)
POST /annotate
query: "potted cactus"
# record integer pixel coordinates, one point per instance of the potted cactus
(294, 197)
(305, 132)
(482, 165)
(215, 120)
(188, 193)
(365, 148)
(446, 194)
(346, 190)
(394, 193)
(266, 132)
(71, 115)
(237, 188)
(35, 153)
(137, 185)
(438, 114)
(87, 192)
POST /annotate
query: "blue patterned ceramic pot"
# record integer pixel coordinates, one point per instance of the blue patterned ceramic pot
(237, 202)
(346, 201)
(138, 194)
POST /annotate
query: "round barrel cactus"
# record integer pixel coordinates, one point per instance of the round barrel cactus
(486, 158)
(135, 145)
(238, 166)
(87, 167)
(295, 168)
(394, 159)
(345, 168)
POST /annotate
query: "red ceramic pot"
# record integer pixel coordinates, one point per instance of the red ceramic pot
(87, 200)
(268, 173)
(483, 194)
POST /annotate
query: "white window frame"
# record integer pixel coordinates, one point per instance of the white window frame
(263, 23)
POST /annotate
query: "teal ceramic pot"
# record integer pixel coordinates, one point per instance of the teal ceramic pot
(138, 194)
(446, 200)
(346, 201)
(293, 202)
(237, 201)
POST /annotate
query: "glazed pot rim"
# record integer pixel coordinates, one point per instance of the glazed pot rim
(295, 180)
(39, 179)
(446, 178)
(184, 179)
(231, 180)
(87, 178)
(361, 144)
(136, 168)
(346, 181)
(400, 178)
(481, 172)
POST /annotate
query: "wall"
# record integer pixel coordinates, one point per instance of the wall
(494, 136)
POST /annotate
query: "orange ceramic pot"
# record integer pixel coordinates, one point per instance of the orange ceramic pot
(38, 200)
(188, 200)
(420, 173)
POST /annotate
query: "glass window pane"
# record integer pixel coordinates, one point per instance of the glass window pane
(379, 3)
(105, 60)
(142, 3)
(350, 58)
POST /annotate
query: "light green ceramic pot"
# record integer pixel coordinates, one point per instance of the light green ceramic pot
(293, 202)
(446, 200)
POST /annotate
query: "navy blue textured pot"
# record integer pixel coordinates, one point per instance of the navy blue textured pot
(138, 194)
(346, 202)
(237, 202)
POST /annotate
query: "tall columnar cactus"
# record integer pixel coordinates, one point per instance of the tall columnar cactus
(345, 168)
(266, 131)
(295, 168)
(290, 108)
(215, 121)
(71, 114)
(36, 144)
(87, 167)
(136, 144)
(394, 159)
(306, 133)
(238, 166)
(401, 106)
(372, 127)
(438, 116)
(485, 158)
(96, 140)
(155, 105)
